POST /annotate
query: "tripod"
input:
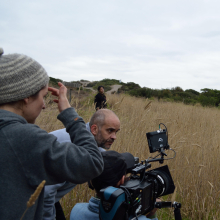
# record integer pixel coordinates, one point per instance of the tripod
(175, 205)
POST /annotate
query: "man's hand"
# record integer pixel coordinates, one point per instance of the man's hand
(62, 100)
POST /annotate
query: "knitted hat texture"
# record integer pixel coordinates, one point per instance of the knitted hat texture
(20, 77)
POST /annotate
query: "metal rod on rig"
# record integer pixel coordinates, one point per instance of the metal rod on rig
(161, 205)
(175, 205)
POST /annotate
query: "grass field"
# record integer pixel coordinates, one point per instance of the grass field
(193, 133)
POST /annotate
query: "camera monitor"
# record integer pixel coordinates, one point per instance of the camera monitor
(157, 140)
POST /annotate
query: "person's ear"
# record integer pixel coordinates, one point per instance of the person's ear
(94, 129)
(26, 100)
(122, 180)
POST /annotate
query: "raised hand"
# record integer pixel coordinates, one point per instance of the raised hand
(62, 100)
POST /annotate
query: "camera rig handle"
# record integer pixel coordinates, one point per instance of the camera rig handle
(175, 205)
(162, 154)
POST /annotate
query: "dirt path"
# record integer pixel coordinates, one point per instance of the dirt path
(114, 89)
(90, 88)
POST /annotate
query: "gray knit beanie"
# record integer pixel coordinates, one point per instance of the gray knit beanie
(20, 77)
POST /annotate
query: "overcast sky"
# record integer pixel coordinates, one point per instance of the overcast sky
(157, 44)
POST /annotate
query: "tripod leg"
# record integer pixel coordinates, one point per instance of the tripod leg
(177, 214)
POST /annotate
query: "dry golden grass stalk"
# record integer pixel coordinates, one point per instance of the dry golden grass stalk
(148, 105)
(34, 197)
(173, 198)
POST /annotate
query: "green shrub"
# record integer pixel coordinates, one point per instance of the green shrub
(54, 81)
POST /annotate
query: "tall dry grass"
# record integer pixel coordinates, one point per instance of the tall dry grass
(193, 133)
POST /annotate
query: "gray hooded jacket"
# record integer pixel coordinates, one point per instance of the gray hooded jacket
(29, 155)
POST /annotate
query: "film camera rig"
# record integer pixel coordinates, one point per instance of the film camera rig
(138, 195)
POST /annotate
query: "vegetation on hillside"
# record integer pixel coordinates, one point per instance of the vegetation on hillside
(107, 83)
(54, 81)
(206, 97)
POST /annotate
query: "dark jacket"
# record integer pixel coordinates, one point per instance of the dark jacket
(29, 155)
(100, 101)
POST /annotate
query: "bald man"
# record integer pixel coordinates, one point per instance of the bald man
(104, 126)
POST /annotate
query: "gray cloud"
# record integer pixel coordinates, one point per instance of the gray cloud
(157, 44)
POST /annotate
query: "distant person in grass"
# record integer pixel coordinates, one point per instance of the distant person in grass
(100, 99)
(104, 125)
(29, 154)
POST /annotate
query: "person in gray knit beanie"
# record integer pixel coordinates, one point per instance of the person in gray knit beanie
(20, 77)
(28, 154)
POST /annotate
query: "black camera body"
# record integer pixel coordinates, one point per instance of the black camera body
(137, 196)
(139, 193)
(155, 183)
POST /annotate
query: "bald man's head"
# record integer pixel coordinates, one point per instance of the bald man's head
(104, 125)
(99, 117)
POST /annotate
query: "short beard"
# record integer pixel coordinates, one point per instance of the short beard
(102, 145)
(101, 142)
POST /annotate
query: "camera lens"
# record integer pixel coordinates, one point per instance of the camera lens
(164, 182)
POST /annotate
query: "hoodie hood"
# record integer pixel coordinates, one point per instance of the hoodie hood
(7, 117)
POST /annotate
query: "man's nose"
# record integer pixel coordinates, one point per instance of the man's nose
(113, 136)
